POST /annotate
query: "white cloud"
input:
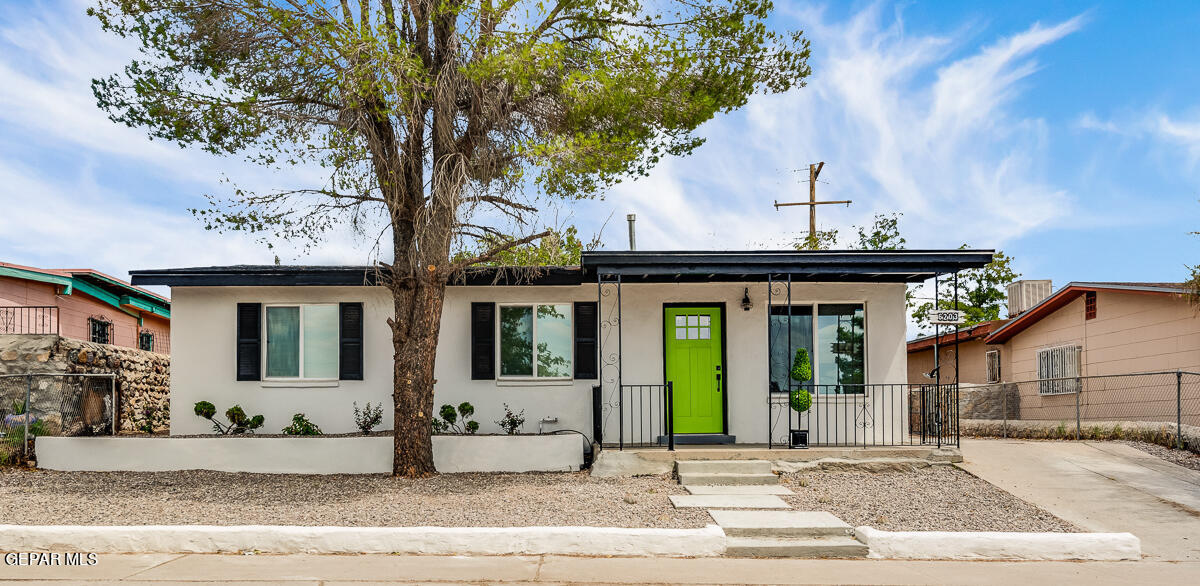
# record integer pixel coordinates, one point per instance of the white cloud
(54, 142)
(907, 123)
(1173, 135)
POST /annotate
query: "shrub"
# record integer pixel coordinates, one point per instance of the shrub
(801, 366)
(238, 421)
(368, 418)
(800, 399)
(511, 423)
(151, 417)
(301, 426)
(14, 440)
(450, 418)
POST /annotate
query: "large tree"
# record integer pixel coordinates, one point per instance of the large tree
(435, 119)
(982, 292)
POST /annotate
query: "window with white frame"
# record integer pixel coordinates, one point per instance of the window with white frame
(535, 341)
(302, 342)
(1058, 370)
(992, 359)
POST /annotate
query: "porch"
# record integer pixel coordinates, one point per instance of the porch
(696, 349)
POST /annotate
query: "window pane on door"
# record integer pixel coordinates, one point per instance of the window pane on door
(321, 341)
(781, 355)
(840, 346)
(283, 341)
(554, 341)
(516, 340)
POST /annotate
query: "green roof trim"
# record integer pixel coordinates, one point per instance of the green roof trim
(156, 309)
(67, 282)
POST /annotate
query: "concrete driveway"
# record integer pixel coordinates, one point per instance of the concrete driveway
(1099, 486)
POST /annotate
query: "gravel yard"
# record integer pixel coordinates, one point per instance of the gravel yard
(1181, 457)
(938, 498)
(450, 500)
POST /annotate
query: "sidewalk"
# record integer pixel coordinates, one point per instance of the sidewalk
(329, 570)
(1099, 486)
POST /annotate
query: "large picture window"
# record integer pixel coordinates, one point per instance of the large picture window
(840, 348)
(800, 336)
(834, 335)
(302, 341)
(536, 341)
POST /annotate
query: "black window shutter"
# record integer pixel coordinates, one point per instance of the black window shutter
(483, 341)
(586, 338)
(350, 327)
(249, 343)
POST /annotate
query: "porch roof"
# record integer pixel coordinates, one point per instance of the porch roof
(892, 266)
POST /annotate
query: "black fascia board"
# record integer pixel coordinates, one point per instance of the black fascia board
(345, 276)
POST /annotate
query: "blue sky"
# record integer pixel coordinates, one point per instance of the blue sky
(1067, 134)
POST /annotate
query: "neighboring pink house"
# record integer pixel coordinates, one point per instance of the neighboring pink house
(83, 304)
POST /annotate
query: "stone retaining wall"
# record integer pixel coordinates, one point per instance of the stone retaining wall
(143, 378)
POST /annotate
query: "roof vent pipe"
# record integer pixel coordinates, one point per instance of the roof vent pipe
(632, 239)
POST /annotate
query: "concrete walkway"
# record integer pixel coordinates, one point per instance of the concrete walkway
(1099, 486)
(346, 569)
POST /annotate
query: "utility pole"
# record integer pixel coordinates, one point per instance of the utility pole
(814, 170)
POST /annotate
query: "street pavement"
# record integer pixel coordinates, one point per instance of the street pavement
(159, 569)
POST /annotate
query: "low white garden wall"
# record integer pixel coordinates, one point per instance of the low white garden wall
(310, 455)
(590, 541)
(987, 545)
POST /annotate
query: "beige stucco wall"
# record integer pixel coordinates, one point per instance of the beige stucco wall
(203, 353)
(971, 362)
(1132, 332)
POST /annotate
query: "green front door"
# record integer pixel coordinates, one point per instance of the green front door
(694, 359)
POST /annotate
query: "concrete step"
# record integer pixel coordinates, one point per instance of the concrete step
(727, 501)
(717, 466)
(781, 524)
(818, 547)
(726, 479)
(778, 489)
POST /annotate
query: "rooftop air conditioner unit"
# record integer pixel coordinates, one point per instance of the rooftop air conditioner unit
(1023, 295)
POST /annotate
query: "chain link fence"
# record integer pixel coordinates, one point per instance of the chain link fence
(54, 405)
(1170, 398)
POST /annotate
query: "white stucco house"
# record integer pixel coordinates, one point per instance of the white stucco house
(591, 348)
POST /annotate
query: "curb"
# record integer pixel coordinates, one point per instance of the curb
(978, 545)
(590, 541)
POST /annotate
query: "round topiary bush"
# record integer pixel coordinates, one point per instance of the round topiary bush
(800, 400)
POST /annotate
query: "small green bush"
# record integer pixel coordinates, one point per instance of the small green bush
(800, 400)
(449, 417)
(238, 421)
(511, 423)
(801, 366)
(301, 426)
(368, 418)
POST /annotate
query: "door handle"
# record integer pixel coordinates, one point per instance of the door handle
(718, 382)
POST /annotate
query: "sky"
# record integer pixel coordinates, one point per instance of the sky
(1065, 133)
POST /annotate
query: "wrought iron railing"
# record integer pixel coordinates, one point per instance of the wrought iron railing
(866, 415)
(644, 416)
(29, 319)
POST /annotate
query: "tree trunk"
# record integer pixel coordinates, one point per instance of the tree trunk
(415, 327)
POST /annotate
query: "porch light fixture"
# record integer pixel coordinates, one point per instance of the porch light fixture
(746, 304)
